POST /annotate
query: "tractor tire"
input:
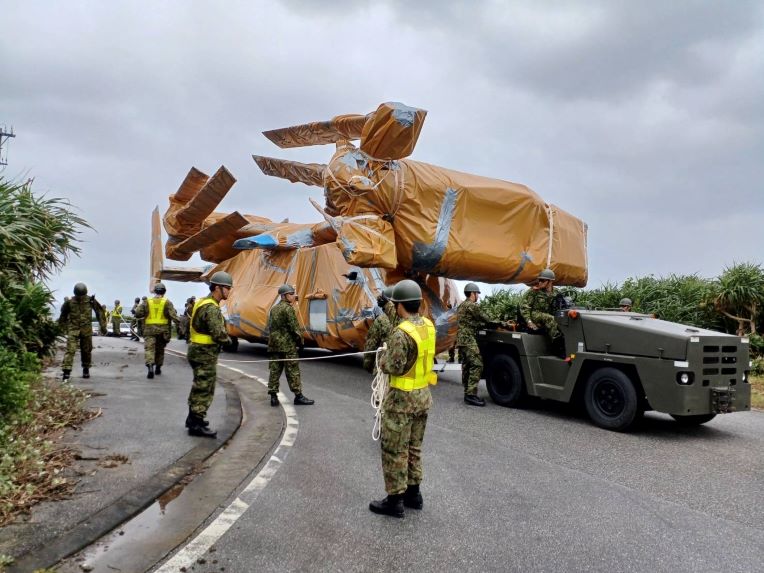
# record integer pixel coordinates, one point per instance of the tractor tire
(505, 381)
(611, 400)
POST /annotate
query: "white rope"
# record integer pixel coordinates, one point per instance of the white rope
(297, 359)
(551, 236)
(379, 387)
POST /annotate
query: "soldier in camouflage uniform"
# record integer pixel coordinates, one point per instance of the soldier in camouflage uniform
(207, 334)
(536, 305)
(379, 330)
(625, 305)
(470, 318)
(116, 319)
(158, 314)
(141, 321)
(76, 320)
(134, 321)
(284, 337)
(409, 358)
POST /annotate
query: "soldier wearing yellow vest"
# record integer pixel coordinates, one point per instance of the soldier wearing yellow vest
(116, 318)
(207, 334)
(408, 360)
(157, 313)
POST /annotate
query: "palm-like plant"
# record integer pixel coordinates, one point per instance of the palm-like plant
(739, 295)
(37, 234)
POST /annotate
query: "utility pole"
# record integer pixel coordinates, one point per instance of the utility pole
(4, 137)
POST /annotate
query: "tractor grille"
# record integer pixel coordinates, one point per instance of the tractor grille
(720, 365)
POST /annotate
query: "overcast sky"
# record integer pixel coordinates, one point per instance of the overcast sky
(645, 119)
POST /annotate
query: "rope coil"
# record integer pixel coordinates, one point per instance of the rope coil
(379, 386)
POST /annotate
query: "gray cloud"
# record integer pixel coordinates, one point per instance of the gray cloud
(644, 119)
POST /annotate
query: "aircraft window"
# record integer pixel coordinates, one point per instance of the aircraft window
(318, 315)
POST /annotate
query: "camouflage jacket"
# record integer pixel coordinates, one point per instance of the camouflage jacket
(470, 318)
(284, 332)
(208, 320)
(399, 358)
(376, 337)
(77, 315)
(142, 312)
(391, 314)
(536, 302)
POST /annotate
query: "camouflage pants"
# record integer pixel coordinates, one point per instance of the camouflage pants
(203, 389)
(292, 372)
(402, 436)
(548, 322)
(141, 323)
(84, 342)
(115, 324)
(472, 368)
(153, 348)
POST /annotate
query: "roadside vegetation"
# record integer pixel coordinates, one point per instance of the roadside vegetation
(733, 302)
(37, 237)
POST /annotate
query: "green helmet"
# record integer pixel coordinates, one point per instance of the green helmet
(222, 278)
(625, 302)
(471, 287)
(546, 275)
(286, 289)
(159, 288)
(80, 289)
(387, 292)
(406, 290)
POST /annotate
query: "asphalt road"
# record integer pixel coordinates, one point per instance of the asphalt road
(537, 489)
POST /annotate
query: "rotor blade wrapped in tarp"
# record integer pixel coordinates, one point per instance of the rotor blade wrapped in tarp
(340, 128)
(294, 171)
(192, 204)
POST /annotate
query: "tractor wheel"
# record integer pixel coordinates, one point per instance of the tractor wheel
(505, 381)
(611, 399)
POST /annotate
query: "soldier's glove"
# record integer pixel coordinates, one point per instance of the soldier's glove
(531, 325)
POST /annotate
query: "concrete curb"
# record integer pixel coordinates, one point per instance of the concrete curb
(141, 496)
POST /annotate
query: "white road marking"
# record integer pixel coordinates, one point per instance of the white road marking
(199, 545)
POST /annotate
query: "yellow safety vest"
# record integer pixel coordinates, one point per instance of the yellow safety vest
(117, 312)
(156, 311)
(198, 337)
(420, 375)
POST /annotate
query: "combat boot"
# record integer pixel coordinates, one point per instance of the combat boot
(158, 370)
(67, 374)
(150, 367)
(413, 497)
(190, 417)
(85, 372)
(274, 400)
(198, 428)
(301, 400)
(474, 400)
(392, 505)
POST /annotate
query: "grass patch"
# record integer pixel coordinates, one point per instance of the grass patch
(757, 392)
(31, 462)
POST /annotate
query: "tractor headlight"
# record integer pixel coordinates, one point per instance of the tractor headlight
(685, 378)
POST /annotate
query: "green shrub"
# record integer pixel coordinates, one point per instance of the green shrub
(17, 371)
(502, 305)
